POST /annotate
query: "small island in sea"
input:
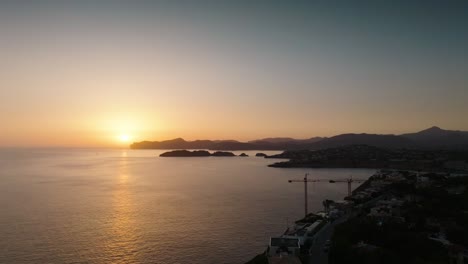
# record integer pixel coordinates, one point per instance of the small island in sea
(186, 153)
(223, 154)
(197, 153)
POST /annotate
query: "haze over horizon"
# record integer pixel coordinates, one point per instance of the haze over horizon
(106, 74)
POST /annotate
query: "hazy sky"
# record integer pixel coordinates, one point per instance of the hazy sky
(81, 73)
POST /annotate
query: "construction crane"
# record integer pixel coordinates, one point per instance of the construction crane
(349, 181)
(306, 181)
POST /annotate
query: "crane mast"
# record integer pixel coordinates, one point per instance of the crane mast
(349, 181)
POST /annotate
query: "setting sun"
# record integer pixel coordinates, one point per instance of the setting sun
(124, 138)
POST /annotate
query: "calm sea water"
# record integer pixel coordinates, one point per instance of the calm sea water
(130, 206)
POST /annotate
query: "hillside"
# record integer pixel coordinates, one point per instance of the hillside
(436, 137)
(430, 138)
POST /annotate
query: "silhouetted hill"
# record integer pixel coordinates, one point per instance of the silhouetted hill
(363, 156)
(283, 140)
(283, 143)
(387, 141)
(272, 140)
(179, 143)
(197, 153)
(437, 137)
(433, 137)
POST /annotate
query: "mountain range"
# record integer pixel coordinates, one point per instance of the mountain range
(433, 138)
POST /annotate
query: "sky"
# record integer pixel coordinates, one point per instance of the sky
(106, 73)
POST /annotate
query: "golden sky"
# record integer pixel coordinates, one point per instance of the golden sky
(91, 75)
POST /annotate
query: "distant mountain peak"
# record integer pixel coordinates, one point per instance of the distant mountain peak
(433, 128)
(176, 140)
(437, 137)
(433, 137)
(272, 140)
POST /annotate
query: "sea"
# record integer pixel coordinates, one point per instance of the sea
(132, 206)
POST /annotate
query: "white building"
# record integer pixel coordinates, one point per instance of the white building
(284, 246)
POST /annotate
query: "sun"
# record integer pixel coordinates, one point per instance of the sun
(124, 137)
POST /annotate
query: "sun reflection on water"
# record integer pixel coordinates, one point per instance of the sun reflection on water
(122, 233)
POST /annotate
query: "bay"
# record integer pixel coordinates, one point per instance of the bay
(131, 206)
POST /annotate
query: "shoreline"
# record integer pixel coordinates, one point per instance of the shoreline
(388, 198)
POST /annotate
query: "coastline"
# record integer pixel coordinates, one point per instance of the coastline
(388, 198)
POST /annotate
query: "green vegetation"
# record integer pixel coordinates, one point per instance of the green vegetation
(368, 156)
(450, 208)
(390, 243)
(436, 212)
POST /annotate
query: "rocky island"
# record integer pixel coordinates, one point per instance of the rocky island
(223, 154)
(196, 153)
(186, 153)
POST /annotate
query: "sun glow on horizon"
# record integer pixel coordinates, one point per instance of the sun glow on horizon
(124, 138)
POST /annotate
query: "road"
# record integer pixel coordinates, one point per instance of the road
(317, 256)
